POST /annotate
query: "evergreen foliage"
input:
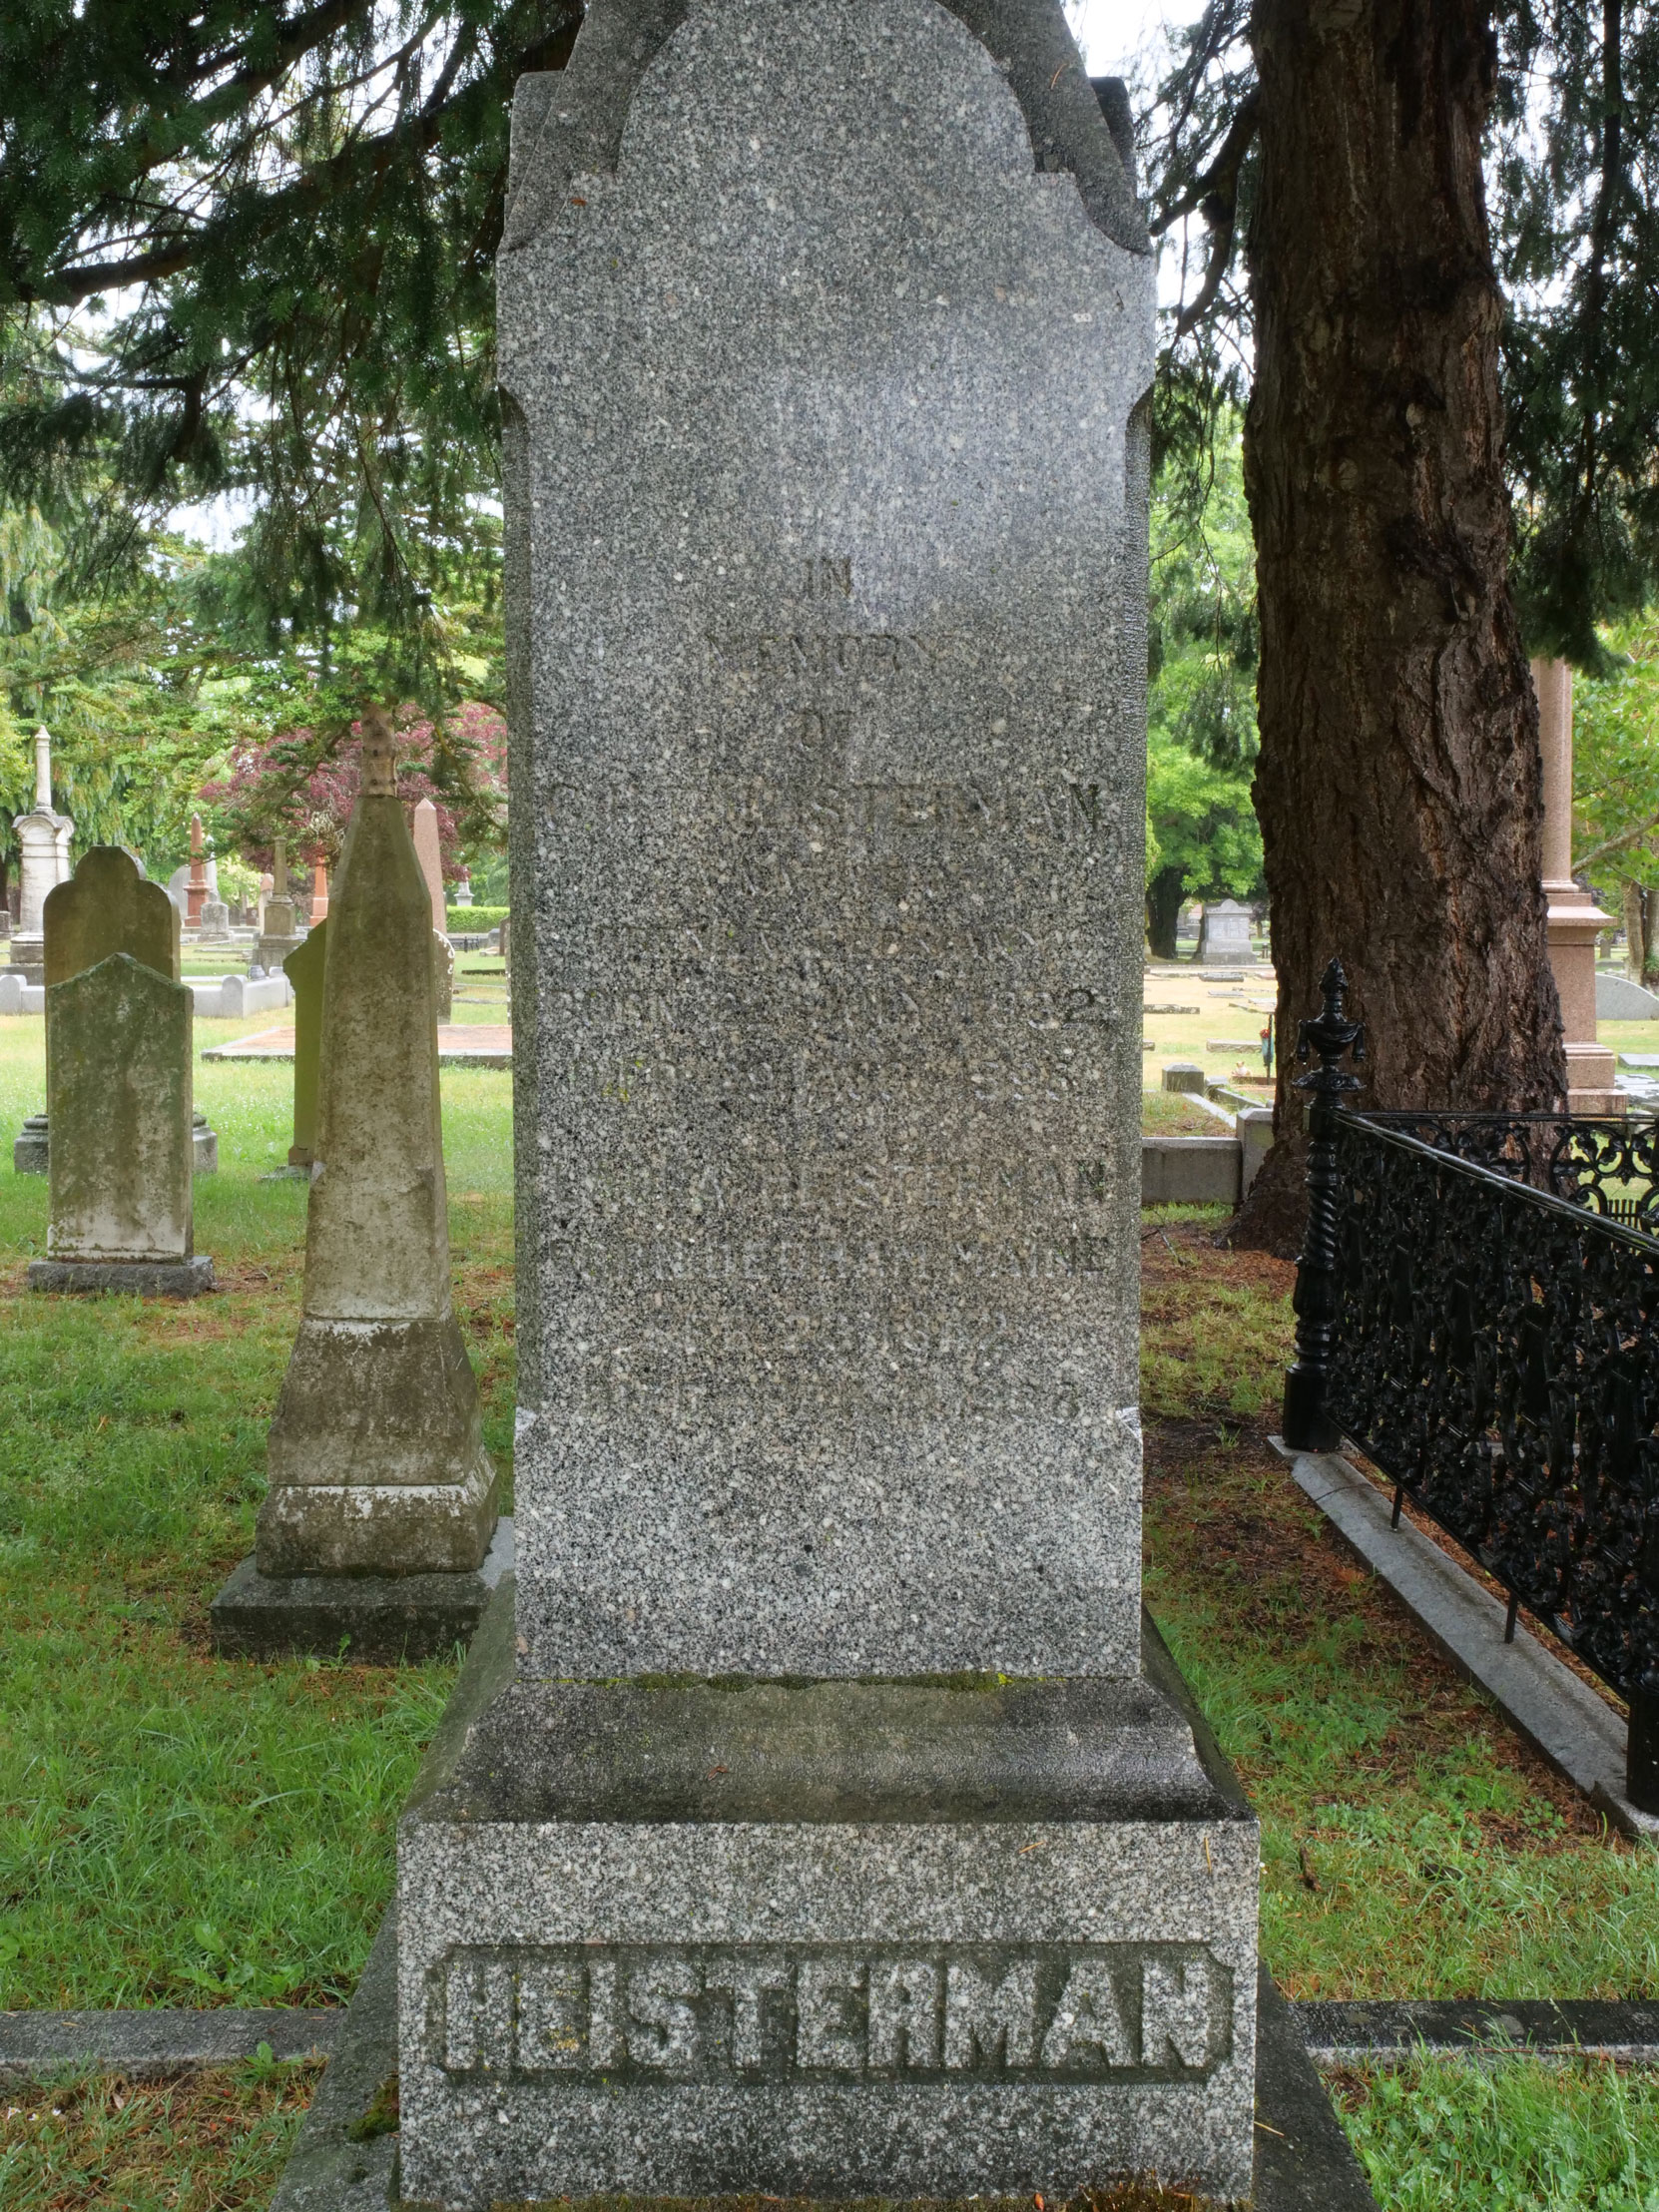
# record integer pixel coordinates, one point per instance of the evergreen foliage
(249, 248)
(1203, 840)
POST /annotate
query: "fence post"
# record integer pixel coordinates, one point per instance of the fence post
(1308, 1423)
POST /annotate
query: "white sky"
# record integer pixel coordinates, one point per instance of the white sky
(1112, 32)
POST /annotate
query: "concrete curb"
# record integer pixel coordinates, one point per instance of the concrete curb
(33, 2044)
(1339, 2034)
(1577, 1732)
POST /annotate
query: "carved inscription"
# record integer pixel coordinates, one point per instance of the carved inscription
(829, 576)
(871, 655)
(912, 2012)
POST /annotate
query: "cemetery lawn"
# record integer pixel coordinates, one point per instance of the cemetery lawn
(177, 1829)
(1521, 2136)
(195, 2143)
(180, 1829)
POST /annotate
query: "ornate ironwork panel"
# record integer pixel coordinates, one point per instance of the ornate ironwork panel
(1499, 1333)
(1611, 1166)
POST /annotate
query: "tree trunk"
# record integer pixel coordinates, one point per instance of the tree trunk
(1162, 913)
(1400, 785)
(1635, 929)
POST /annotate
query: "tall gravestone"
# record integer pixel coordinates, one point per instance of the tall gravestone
(424, 829)
(837, 1836)
(303, 968)
(43, 838)
(280, 932)
(376, 1456)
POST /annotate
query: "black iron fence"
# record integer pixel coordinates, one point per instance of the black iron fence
(1478, 1311)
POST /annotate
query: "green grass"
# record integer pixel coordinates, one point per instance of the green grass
(204, 2143)
(173, 1828)
(1519, 2136)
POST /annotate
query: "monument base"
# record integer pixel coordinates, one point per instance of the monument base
(139, 1278)
(29, 1147)
(376, 1458)
(382, 1619)
(29, 1152)
(271, 951)
(28, 955)
(831, 1940)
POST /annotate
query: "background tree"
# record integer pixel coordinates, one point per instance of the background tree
(1615, 774)
(1321, 170)
(277, 225)
(1201, 719)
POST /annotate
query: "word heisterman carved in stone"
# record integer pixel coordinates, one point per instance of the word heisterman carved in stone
(376, 1459)
(903, 2013)
(831, 1840)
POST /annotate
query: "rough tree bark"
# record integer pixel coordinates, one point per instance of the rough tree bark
(1399, 785)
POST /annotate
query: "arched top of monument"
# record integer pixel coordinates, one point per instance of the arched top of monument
(572, 123)
(107, 906)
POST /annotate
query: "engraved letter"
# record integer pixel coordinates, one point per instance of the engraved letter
(748, 1979)
(904, 2012)
(662, 2028)
(549, 2030)
(1087, 2022)
(604, 2022)
(824, 2035)
(477, 2012)
(986, 2019)
(1175, 2014)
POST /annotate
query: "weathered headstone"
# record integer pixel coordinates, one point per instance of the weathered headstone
(424, 832)
(43, 838)
(831, 1840)
(197, 889)
(317, 909)
(376, 1456)
(305, 971)
(1224, 934)
(1184, 1075)
(118, 1100)
(109, 906)
(279, 931)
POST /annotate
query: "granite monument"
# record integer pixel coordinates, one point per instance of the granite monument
(845, 1831)
(43, 836)
(303, 968)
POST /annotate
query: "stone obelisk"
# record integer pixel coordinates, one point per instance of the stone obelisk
(375, 1458)
(43, 836)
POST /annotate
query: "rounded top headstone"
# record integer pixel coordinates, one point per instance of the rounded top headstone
(108, 905)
